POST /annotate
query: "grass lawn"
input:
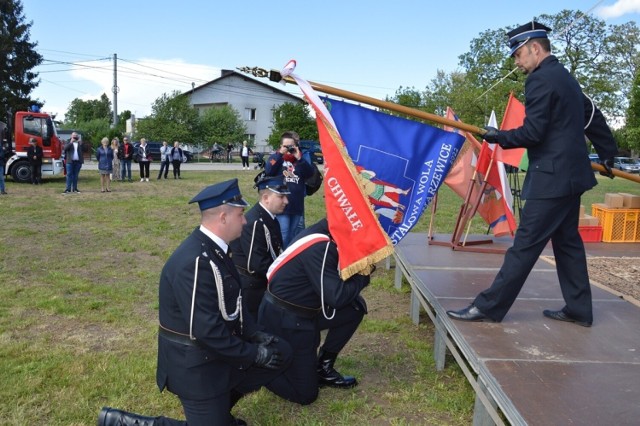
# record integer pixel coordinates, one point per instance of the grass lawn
(78, 312)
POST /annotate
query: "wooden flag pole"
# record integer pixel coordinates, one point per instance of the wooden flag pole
(274, 75)
(600, 168)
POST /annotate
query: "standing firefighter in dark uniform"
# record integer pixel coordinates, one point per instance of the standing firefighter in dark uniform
(210, 352)
(260, 242)
(558, 115)
(307, 295)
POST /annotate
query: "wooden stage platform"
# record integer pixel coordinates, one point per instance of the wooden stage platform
(529, 369)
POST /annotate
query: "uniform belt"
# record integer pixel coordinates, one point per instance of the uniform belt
(176, 337)
(251, 280)
(245, 272)
(298, 310)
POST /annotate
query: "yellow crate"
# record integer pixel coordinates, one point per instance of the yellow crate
(618, 225)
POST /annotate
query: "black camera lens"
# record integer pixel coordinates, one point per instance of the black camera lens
(291, 149)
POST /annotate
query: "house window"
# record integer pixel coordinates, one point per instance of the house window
(250, 138)
(250, 114)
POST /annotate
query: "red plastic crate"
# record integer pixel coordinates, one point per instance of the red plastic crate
(590, 234)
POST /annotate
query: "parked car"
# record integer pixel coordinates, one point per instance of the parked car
(626, 164)
(154, 149)
(314, 149)
(594, 158)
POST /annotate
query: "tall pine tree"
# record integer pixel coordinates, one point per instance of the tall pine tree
(18, 58)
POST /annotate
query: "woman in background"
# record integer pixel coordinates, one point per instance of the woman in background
(115, 145)
(176, 159)
(144, 160)
(104, 155)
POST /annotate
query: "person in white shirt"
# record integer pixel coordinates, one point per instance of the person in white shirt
(244, 154)
(74, 161)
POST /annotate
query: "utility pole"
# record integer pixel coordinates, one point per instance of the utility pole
(115, 90)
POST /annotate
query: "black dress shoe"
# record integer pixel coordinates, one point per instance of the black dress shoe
(112, 417)
(470, 313)
(561, 315)
(329, 376)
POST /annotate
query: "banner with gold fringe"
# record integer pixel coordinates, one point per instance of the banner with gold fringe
(353, 225)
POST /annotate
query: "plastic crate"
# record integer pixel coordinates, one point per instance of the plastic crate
(590, 234)
(618, 225)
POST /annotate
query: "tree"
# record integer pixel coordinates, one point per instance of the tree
(172, 119)
(579, 41)
(631, 131)
(18, 57)
(592, 51)
(84, 111)
(222, 125)
(121, 127)
(94, 130)
(409, 97)
(292, 117)
(623, 57)
(454, 90)
(603, 59)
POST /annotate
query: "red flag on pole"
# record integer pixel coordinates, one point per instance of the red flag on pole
(491, 207)
(494, 173)
(513, 118)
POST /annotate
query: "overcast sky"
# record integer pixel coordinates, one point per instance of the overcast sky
(369, 47)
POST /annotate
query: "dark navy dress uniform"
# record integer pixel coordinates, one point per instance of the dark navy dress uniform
(258, 246)
(210, 353)
(200, 299)
(558, 115)
(292, 308)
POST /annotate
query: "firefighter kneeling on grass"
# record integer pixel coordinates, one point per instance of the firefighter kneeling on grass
(306, 295)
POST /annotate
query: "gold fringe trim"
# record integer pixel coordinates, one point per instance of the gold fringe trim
(385, 251)
(372, 259)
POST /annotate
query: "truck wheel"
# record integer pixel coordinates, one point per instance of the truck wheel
(21, 172)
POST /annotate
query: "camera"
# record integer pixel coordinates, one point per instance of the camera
(291, 149)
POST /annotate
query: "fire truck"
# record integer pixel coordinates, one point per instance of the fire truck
(26, 125)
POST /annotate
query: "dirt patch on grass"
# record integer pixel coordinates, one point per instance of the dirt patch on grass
(394, 364)
(619, 275)
(81, 337)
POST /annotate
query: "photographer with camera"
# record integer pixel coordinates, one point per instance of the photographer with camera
(289, 162)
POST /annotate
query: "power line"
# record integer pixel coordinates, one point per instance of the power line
(165, 77)
(70, 53)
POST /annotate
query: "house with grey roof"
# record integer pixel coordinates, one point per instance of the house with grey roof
(253, 99)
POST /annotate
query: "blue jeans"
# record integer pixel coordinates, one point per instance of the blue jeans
(125, 167)
(1, 177)
(164, 168)
(73, 170)
(290, 226)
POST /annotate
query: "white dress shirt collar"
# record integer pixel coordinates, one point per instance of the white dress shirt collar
(224, 246)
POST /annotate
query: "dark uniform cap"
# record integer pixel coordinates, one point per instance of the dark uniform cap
(519, 36)
(273, 183)
(226, 192)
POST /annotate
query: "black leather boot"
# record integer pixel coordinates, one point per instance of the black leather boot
(112, 417)
(328, 376)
